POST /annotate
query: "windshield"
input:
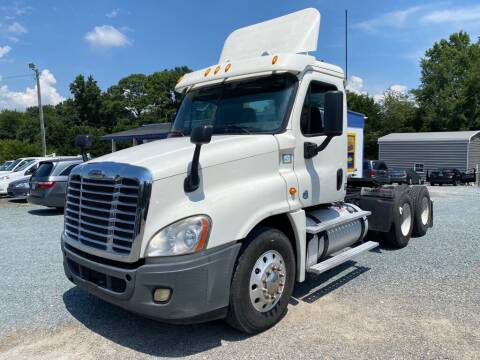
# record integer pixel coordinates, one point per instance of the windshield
(5, 165)
(252, 106)
(24, 165)
(12, 165)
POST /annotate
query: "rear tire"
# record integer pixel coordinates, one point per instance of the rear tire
(402, 224)
(421, 207)
(268, 254)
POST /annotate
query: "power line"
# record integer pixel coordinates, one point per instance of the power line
(16, 77)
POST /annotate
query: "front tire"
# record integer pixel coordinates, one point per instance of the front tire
(263, 281)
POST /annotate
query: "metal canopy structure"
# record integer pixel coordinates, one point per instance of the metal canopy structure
(138, 135)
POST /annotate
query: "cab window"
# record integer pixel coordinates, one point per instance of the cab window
(312, 119)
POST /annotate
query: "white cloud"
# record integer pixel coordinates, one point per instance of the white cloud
(4, 50)
(355, 85)
(19, 100)
(453, 15)
(113, 13)
(396, 19)
(106, 36)
(16, 28)
(395, 89)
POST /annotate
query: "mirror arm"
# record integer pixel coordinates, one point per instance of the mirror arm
(192, 181)
(84, 155)
(311, 150)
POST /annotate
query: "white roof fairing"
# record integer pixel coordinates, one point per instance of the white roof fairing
(294, 33)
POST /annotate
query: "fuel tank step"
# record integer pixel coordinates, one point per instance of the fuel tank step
(341, 258)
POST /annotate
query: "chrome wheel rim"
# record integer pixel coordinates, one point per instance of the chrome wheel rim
(425, 214)
(267, 281)
(406, 219)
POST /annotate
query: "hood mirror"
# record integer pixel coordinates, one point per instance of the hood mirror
(84, 142)
(199, 136)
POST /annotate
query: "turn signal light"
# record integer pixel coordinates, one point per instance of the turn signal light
(217, 69)
(207, 72)
(292, 191)
(274, 60)
(228, 67)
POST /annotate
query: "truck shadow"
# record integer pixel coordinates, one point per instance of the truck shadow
(316, 286)
(46, 212)
(145, 335)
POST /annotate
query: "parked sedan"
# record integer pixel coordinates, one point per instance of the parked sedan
(405, 176)
(26, 169)
(5, 165)
(445, 176)
(48, 186)
(19, 188)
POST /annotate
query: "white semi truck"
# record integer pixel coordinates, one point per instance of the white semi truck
(248, 194)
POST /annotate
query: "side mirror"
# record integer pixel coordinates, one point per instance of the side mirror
(84, 142)
(200, 136)
(333, 123)
(333, 111)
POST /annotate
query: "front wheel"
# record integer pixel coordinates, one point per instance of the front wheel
(262, 282)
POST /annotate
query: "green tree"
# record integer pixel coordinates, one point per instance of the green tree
(87, 100)
(449, 95)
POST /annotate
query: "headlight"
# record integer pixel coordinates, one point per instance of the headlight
(183, 237)
(23, 185)
(4, 178)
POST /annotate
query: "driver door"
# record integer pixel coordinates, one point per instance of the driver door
(321, 178)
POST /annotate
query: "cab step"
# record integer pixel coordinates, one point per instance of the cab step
(341, 258)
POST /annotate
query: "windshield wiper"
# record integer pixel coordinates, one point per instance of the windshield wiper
(234, 128)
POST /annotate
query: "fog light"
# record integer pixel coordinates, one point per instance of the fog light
(162, 295)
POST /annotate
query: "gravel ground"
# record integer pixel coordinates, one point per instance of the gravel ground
(419, 302)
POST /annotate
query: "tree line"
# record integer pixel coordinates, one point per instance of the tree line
(447, 99)
(137, 99)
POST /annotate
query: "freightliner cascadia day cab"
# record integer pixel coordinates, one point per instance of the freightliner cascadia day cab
(248, 194)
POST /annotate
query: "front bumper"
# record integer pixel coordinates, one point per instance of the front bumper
(18, 192)
(200, 283)
(46, 200)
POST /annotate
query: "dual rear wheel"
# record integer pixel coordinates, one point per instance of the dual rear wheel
(411, 216)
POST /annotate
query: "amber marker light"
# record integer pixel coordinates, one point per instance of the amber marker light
(292, 191)
(217, 69)
(274, 60)
(203, 235)
(228, 67)
(207, 72)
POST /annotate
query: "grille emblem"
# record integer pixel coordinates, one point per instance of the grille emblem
(96, 173)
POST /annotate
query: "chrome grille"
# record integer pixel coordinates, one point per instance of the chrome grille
(104, 213)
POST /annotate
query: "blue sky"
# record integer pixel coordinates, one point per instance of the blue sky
(112, 39)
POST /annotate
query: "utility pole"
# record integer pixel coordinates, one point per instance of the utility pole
(40, 108)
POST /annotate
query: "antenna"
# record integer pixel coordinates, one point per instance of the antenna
(346, 45)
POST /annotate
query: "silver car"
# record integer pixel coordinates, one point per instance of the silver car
(48, 186)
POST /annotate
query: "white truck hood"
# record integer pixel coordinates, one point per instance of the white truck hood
(170, 157)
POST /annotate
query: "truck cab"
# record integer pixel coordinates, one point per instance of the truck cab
(245, 197)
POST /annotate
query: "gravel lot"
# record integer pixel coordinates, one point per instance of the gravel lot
(419, 302)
